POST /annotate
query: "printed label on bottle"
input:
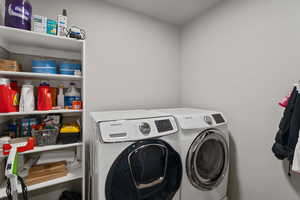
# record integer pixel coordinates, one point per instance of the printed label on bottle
(16, 100)
(69, 100)
(18, 12)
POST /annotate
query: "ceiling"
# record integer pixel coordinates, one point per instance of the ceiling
(172, 11)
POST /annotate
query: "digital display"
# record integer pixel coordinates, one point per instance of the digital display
(163, 125)
(218, 118)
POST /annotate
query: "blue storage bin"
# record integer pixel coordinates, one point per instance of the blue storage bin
(77, 66)
(44, 70)
(43, 63)
(70, 66)
(67, 71)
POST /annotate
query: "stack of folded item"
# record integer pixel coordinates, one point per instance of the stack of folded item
(46, 172)
(9, 65)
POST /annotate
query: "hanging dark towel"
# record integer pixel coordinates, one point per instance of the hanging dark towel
(287, 136)
(294, 129)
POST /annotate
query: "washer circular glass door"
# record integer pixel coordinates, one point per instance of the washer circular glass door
(207, 160)
(146, 170)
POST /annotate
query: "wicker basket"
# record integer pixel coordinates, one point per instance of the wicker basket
(46, 136)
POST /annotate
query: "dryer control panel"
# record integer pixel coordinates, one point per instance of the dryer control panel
(137, 129)
(218, 118)
(200, 121)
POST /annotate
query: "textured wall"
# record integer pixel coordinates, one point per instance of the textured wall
(241, 58)
(132, 60)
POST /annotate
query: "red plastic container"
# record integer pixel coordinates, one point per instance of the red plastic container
(8, 97)
(29, 146)
(14, 86)
(44, 97)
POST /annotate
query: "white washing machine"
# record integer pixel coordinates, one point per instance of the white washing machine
(135, 156)
(204, 139)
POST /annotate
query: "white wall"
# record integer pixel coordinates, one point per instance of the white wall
(132, 60)
(130, 57)
(241, 58)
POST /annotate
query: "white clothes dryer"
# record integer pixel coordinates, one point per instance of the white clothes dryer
(135, 156)
(204, 137)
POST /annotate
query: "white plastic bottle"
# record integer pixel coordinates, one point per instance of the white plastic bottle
(27, 102)
(71, 95)
(61, 97)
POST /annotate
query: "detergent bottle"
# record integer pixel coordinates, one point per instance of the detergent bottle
(8, 97)
(44, 97)
(27, 98)
(71, 95)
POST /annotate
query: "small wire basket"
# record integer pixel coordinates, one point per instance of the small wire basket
(46, 136)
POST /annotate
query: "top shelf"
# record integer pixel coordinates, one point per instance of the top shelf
(13, 36)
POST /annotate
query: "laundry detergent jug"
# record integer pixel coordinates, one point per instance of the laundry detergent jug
(18, 14)
(8, 97)
(71, 95)
(44, 97)
(27, 98)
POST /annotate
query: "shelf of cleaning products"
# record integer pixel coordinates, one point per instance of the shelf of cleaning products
(71, 176)
(13, 36)
(40, 112)
(38, 76)
(24, 43)
(49, 148)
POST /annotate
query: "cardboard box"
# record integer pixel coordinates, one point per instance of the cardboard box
(51, 27)
(39, 24)
(46, 172)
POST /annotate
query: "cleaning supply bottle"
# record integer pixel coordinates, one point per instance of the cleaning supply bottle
(61, 97)
(27, 98)
(18, 14)
(8, 97)
(71, 95)
(44, 97)
(62, 22)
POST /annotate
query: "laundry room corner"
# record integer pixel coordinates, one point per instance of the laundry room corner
(241, 57)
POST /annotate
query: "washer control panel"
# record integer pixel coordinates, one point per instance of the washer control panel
(137, 129)
(163, 125)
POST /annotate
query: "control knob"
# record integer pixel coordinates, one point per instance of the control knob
(145, 128)
(208, 120)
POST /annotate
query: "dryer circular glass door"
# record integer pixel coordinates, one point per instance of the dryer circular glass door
(207, 160)
(145, 170)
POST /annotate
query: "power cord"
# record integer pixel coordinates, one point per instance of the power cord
(23, 186)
